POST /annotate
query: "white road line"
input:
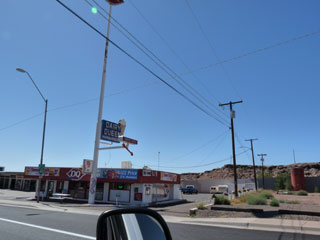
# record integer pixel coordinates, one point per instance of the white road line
(48, 229)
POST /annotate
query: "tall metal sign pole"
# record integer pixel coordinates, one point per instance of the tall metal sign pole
(93, 179)
(262, 160)
(254, 165)
(232, 115)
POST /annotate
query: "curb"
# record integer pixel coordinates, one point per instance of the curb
(261, 211)
(252, 226)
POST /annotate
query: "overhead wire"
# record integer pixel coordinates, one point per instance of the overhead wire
(175, 53)
(197, 148)
(21, 121)
(76, 104)
(215, 148)
(249, 53)
(202, 165)
(161, 64)
(141, 64)
(211, 46)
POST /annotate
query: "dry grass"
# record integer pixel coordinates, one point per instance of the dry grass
(246, 198)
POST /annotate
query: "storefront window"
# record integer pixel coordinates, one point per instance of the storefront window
(59, 188)
(160, 192)
(78, 189)
(43, 186)
(120, 186)
(99, 191)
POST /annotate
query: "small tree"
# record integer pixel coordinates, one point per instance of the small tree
(283, 181)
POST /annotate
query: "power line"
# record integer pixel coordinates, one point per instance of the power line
(109, 95)
(278, 44)
(21, 121)
(215, 148)
(211, 46)
(198, 148)
(141, 64)
(173, 51)
(76, 104)
(203, 165)
(161, 64)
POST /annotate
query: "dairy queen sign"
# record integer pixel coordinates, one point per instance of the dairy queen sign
(75, 174)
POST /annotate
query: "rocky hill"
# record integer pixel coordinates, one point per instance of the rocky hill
(246, 171)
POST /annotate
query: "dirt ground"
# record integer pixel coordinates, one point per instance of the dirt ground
(311, 199)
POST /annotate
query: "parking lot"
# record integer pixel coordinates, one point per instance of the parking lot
(200, 197)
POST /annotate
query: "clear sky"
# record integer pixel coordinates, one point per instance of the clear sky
(279, 86)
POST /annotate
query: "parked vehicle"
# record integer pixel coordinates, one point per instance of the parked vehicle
(220, 189)
(189, 189)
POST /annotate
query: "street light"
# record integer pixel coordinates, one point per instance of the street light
(44, 129)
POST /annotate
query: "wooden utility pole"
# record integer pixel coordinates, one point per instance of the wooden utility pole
(262, 160)
(232, 116)
(254, 165)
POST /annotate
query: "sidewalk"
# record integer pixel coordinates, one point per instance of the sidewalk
(276, 225)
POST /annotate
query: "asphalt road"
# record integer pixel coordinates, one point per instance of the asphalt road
(18, 223)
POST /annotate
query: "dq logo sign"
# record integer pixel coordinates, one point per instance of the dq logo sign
(75, 174)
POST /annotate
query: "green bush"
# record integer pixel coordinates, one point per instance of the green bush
(256, 200)
(283, 182)
(292, 202)
(201, 206)
(316, 189)
(266, 195)
(222, 200)
(274, 203)
(302, 193)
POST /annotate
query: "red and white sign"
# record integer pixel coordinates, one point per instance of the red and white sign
(75, 174)
(170, 177)
(87, 166)
(129, 140)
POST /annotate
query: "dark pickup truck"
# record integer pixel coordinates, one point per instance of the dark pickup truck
(189, 190)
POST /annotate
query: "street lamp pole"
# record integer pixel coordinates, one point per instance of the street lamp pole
(44, 129)
(93, 179)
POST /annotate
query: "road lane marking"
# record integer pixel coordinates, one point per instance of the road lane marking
(48, 229)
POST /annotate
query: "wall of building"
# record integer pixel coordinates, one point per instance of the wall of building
(203, 186)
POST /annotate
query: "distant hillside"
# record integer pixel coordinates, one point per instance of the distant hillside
(246, 171)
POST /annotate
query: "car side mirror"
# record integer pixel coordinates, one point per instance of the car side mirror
(132, 223)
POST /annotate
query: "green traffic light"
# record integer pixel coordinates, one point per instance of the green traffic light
(94, 10)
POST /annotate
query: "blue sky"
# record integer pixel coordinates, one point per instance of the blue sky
(279, 86)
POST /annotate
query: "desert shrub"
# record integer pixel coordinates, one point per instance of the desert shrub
(256, 200)
(201, 206)
(274, 203)
(292, 202)
(283, 182)
(222, 200)
(266, 195)
(302, 193)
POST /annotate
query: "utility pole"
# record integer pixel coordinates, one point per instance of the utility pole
(262, 160)
(158, 160)
(254, 166)
(294, 157)
(232, 116)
